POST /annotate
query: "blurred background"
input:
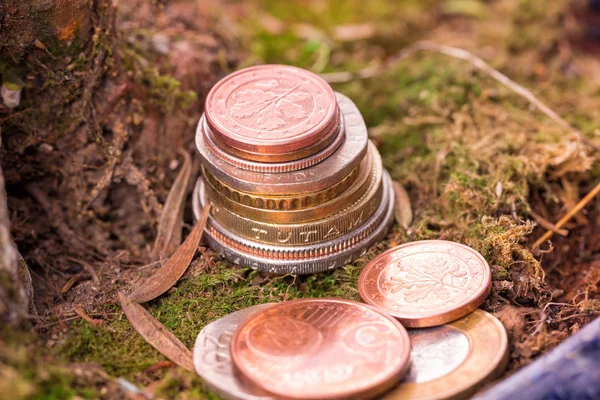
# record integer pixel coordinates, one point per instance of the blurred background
(101, 98)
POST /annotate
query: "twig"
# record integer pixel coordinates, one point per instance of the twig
(544, 223)
(476, 62)
(582, 203)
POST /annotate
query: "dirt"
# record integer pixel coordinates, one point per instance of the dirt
(85, 193)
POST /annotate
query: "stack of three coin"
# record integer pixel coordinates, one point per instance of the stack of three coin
(295, 184)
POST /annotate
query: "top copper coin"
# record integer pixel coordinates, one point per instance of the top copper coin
(321, 349)
(426, 283)
(271, 109)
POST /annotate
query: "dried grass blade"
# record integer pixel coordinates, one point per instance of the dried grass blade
(168, 275)
(402, 207)
(156, 334)
(171, 217)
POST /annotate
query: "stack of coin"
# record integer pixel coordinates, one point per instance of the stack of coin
(295, 184)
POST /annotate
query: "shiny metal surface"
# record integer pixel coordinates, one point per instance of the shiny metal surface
(273, 166)
(369, 177)
(270, 109)
(302, 234)
(212, 360)
(315, 263)
(426, 283)
(321, 349)
(452, 361)
(317, 177)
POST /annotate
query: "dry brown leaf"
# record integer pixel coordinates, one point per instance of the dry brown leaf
(156, 334)
(168, 275)
(168, 237)
(402, 207)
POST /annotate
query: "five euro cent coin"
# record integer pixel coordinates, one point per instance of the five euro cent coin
(321, 349)
(212, 360)
(426, 283)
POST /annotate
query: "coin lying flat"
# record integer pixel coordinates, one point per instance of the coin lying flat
(270, 109)
(212, 360)
(426, 283)
(316, 177)
(321, 349)
(451, 361)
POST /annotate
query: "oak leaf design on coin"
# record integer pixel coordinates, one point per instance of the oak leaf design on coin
(272, 102)
(435, 277)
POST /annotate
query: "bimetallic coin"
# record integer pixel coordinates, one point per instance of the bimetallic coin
(293, 158)
(314, 262)
(314, 178)
(451, 361)
(426, 283)
(272, 166)
(368, 179)
(306, 233)
(212, 359)
(321, 349)
(281, 202)
(270, 109)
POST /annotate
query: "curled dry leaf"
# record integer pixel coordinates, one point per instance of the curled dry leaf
(163, 279)
(168, 236)
(156, 334)
(402, 207)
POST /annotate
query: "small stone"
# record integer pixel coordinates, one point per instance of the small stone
(11, 97)
(161, 43)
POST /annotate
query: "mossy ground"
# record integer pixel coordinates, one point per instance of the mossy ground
(476, 159)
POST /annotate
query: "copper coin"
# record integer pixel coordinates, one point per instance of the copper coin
(270, 109)
(321, 349)
(275, 166)
(451, 361)
(316, 177)
(212, 360)
(332, 133)
(426, 283)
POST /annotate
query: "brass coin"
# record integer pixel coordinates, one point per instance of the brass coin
(294, 158)
(318, 257)
(277, 167)
(317, 177)
(369, 174)
(325, 229)
(282, 202)
(451, 361)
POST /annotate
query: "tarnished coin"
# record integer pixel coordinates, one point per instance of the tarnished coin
(270, 109)
(316, 177)
(426, 283)
(369, 176)
(274, 165)
(321, 349)
(451, 361)
(212, 360)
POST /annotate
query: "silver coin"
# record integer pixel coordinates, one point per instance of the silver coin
(317, 177)
(350, 246)
(212, 359)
